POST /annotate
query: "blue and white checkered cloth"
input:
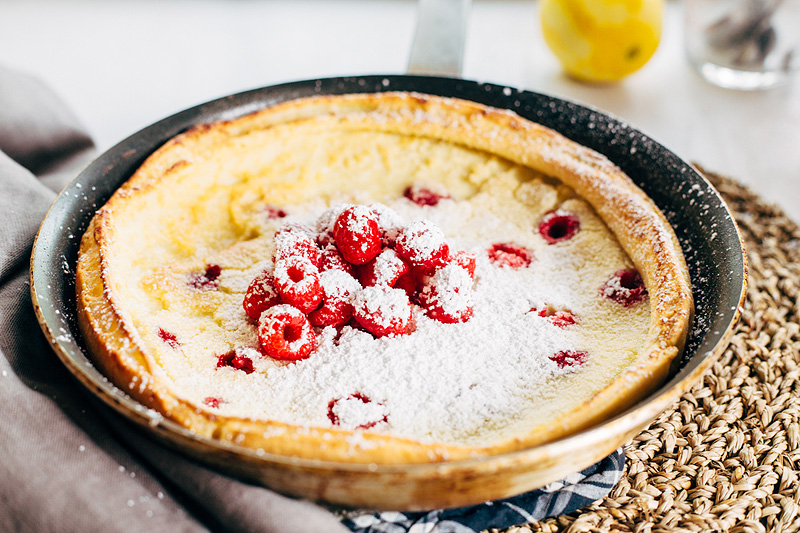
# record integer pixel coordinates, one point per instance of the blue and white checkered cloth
(561, 497)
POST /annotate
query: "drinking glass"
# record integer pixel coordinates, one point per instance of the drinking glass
(743, 44)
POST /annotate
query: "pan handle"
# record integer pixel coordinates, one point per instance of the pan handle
(438, 47)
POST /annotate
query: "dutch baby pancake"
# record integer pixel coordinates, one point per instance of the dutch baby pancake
(382, 278)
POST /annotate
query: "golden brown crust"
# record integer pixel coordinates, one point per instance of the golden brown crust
(640, 228)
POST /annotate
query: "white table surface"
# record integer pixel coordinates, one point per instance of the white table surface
(123, 64)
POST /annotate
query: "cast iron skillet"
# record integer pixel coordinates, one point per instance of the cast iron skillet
(705, 227)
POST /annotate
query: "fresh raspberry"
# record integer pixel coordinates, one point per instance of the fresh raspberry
(385, 269)
(447, 297)
(212, 402)
(465, 260)
(625, 287)
(570, 358)
(382, 310)
(510, 255)
(296, 240)
(560, 319)
(334, 313)
(325, 223)
(424, 195)
(169, 338)
(237, 360)
(260, 295)
(336, 310)
(357, 234)
(298, 284)
(389, 222)
(331, 259)
(410, 283)
(274, 212)
(356, 411)
(559, 225)
(422, 245)
(285, 333)
(207, 280)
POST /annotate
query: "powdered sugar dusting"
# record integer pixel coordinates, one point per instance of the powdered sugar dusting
(465, 383)
(387, 265)
(339, 284)
(451, 286)
(381, 303)
(357, 412)
(389, 221)
(423, 239)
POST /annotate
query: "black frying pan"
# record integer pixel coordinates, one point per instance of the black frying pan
(704, 225)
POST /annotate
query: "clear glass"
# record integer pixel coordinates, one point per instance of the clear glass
(743, 44)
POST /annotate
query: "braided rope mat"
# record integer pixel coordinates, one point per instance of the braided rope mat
(726, 456)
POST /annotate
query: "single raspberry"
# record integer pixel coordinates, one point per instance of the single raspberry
(410, 283)
(510, 255)
(382, 310)
(389, 222)
(336, 310)
(296, 240)
(465, 260)
(447, 297)
(334, 313)
(356, 411)
(207, 280)
(260, 295)
(325, 223)
(422, 245)
(559, 225)
(285, 333)
(357, 234)
(237, 360)
(274, 212)
(625, 287)
(169, 338)
(298, 284)
(423, 195)
(385, 269)
(331, 259)
(570, 358)
(212, 402)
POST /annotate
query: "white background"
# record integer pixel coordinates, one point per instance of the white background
(123, 64)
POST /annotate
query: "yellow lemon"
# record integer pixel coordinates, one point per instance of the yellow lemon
(602, 40)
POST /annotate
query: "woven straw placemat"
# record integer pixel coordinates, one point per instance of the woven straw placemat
(725, 457)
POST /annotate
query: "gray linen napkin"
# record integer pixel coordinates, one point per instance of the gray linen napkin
(63, 465)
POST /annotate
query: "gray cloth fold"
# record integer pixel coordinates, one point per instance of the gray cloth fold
(67, 464)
